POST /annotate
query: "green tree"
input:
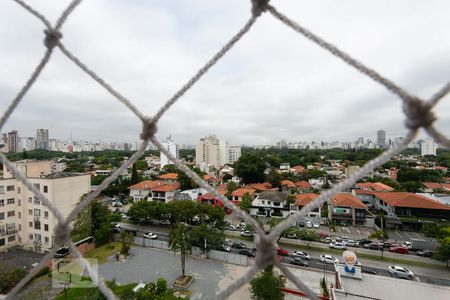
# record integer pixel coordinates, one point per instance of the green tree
(169, 168)
(411, 186)
(9, 278)
(180, 240)
(246, 203)
(231, 187)
(250, 167)
(134, 174)
(267, 285)
(274, 178)
(185, 181)
(380, 235)
(126, 239)
(443, 251)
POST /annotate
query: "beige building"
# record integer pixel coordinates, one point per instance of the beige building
(24, 220)
(210, 151)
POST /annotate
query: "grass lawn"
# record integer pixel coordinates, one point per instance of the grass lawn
(103, 252)
(94, 293)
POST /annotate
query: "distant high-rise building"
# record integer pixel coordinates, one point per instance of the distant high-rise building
(233, 154)
(428, 148)
(381, 139)
(28, 143)
(13, 141)
(169, 144)
(211, 151)
(42, 141)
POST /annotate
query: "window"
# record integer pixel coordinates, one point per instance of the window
(30, 199)
(46, 214)
(10, 201)
(2, 189)
(30, 212)
(46, 239)
(36, 200)
(37, 237)
(38, 186)
(45, 189)
(2, 242)
(10, 188)
(11, 238)
(20, 227)
(37, 212)
(2, 202)
(18, 190)
(20, 215)
(45, 227)
(2, 215)
(30, 236)
(31, 224)
(37, 225)
(19, 202)
(11, 213)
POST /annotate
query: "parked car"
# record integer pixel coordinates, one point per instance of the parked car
(239, 245)
(344, 238)
(164, 222)
(316, 225)
(373, 246)
(323, 235)
(425, 253)
(232, 227)
(299, 262)
(337, 245)
(247, 253)
(150, 235)
(247, 233)
(369, 271)
(281, 251)
(401, 250)
(401, 272)
(407, 245)
(291, 236)
(328, 259)
(226, 248)
(309, 224)
(350, 243)
(301, 254)
(385, 244)
(363, 242)
(61, 252)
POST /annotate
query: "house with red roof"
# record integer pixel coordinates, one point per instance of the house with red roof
(374, 186)
(169, 177)
(261, 187)
(303, 199)
(303, 185)
(430, 187)
(143, 189)
(165, 193)
(347, 209)
(239, 193)
(287, 185)
(154, 190)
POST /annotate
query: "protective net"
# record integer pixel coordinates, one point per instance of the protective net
(417, 111)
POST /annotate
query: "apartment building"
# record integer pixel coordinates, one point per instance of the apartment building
(24, 220)
(211, 151)
(170, 145)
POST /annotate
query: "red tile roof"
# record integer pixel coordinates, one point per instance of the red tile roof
(303, 184)
(404, 199)
(375, 186)
(167, 187)
(347, 200)
(206, 177)
(303, 199)
(432, 185)
(212, 195)
(288, 183)
(170, 176)
(146, 185)
(242, 191)
(298, 169)
(265, 186)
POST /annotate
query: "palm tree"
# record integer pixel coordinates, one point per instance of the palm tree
(180, 240)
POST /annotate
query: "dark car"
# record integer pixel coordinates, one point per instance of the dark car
(238, 245)
(61, 252)
(369, 271)
(363, 242)
(299, 262)
(247, 253)
(425, 253)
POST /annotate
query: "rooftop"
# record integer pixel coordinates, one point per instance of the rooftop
(303, 199)
(347, 200)
(404, 199)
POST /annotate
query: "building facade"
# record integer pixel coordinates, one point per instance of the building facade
(428, 148)
(172, 148)
(13, 141)
(24, 220)
(381, 139)
(211, 151)
(42, 140)
(233, 154)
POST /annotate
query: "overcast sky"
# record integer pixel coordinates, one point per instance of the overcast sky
(274, 84)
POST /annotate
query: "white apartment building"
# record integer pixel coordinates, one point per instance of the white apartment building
(233, 154)
(169, 144)
(24, 220)
(211, 151)
(428, 148)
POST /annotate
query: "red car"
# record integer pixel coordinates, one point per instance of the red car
(281, 251)
(401, 250)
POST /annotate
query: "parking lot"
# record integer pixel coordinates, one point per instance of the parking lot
(19, 258)
(419, 240)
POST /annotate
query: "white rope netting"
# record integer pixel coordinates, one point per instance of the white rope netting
(417, 111)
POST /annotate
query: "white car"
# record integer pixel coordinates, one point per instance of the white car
(316, 225)
(226, 248)
(337, 245)
(344, 238)
(301, 254)
(401, 272)
(328, 259)
(407, 245)
(309, 224)
(150, 235)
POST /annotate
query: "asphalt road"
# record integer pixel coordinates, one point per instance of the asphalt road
(314, 262)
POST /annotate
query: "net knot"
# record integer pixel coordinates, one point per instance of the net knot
(418, 113)
(266, 252)
(62, 233)
(258, 7)
(148, 128)
(52, 38)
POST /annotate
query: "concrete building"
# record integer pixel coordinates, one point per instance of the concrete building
(24, 220)
(211, 151)
(381, 139)
(169, 144)
(42, 141)
(13, 141)
(428, 148)
(233, 154)
(28, 143)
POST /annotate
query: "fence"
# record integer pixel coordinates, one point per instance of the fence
(418, 114)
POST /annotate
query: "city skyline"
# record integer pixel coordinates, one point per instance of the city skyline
(274, 84)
